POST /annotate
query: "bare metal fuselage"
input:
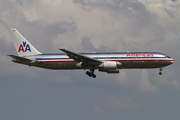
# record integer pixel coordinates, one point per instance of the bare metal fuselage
(104, 62)
(133, 60)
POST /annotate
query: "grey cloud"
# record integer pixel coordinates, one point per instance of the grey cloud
(37, 30)
(60, 28)
(88, 46)
(34, 93)
(138, 17)
(123, 103)
(34, 31)
(48, 33)
(117, 7)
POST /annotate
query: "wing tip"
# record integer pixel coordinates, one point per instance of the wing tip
(62, 49)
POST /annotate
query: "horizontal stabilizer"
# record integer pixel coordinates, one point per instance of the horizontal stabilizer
(19, 58)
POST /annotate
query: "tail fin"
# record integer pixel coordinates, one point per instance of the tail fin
(23, 47)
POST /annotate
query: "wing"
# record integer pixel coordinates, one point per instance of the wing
(81, 58)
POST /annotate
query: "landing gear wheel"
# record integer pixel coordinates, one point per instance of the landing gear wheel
(94, 76)
(91, 74)
(160, 73)
(87, 72)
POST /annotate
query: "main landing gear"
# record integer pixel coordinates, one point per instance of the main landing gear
(160, 73)
(91, 73)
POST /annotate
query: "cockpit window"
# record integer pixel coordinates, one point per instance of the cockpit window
(167, 57)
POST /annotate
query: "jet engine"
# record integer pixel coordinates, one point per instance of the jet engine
(110, 67)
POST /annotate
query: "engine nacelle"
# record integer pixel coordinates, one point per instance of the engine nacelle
(109, 65)
(110, 71)
(113, 71)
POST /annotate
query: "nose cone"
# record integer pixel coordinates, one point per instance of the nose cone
(172, 61)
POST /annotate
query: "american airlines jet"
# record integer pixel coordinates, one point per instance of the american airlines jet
(110, 62)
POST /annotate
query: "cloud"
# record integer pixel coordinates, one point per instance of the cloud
(137, 80)
(96, 26)
(116, 104)
(145, 85)
(90, 26)
(87, 45)
(98, 110)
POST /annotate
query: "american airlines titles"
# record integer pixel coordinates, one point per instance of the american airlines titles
(140, 55)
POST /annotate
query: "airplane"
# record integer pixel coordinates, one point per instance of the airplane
(109, 62)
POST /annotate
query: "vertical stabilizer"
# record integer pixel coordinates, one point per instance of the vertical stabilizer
(23, 47)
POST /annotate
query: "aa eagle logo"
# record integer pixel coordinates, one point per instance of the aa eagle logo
(24, 47)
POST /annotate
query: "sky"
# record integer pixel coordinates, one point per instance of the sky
(30, 93)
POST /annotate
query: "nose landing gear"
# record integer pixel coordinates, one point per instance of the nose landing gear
(160, 73)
